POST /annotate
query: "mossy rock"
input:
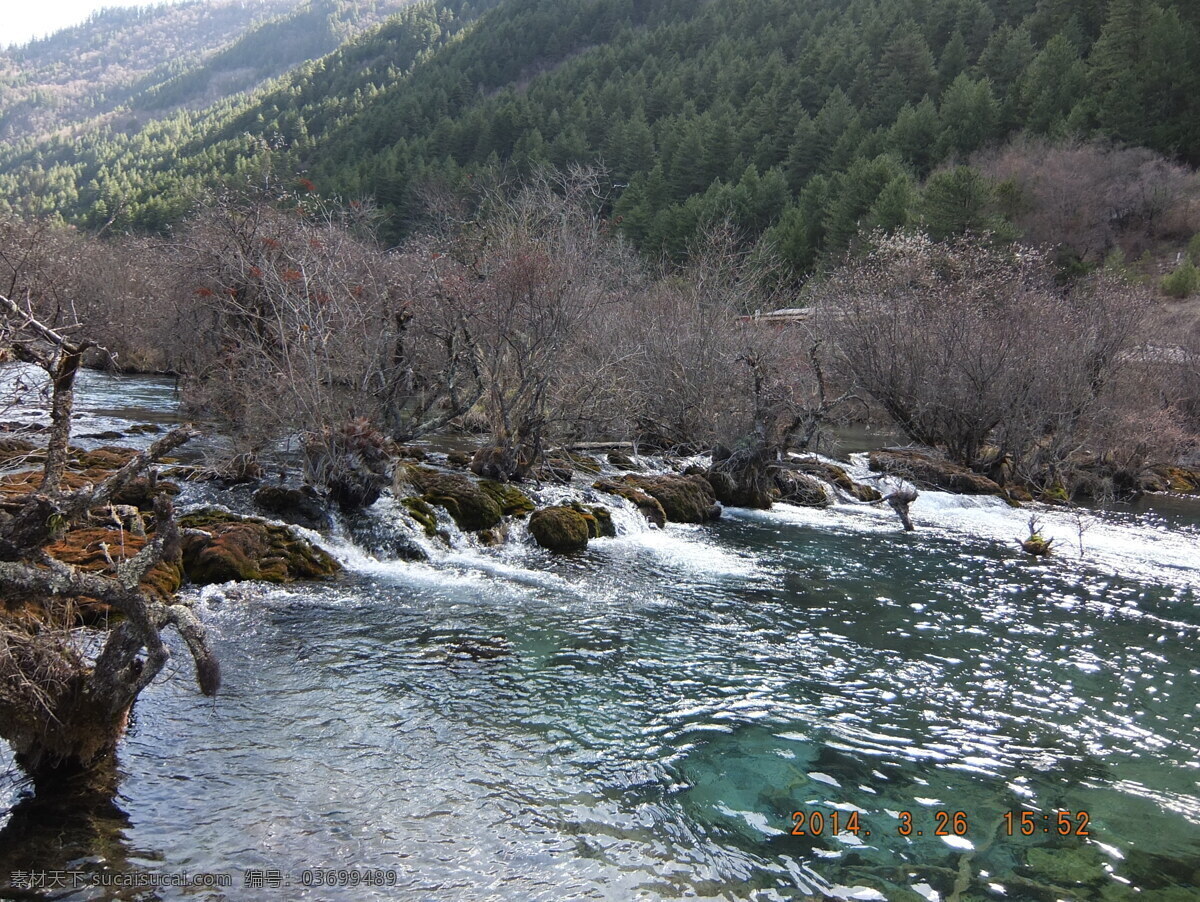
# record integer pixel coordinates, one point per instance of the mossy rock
(561, 529)
(14, 450)
(731, 491)
(459, 459)
(836, 475)
(650, 507)
(1180, 480)
(495, 536)
(584, 463)
(684, 499)
(599, 520)
(303, 506)
(471, 507)
(110, 457)
(1067, 867)
(422, 512)
(511, 500)
(84, 549)
(933, 472)
(802, 489)
(1018, 494)
(622, 461)
(247, 548)
(1037, 545)
(1054, 494)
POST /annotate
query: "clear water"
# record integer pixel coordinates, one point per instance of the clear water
(671, 698)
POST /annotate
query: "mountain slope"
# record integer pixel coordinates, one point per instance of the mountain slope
(813, 118)
(93, 68)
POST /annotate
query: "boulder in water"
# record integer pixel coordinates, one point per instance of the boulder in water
(599, 520)
(801, 489)
(684, 499)
(621, 460)
(560, 529)
(934, 472)
(645, 502)
(510, 499)
(302, 506)
(836, 475)
(421, 511)
(471, 507)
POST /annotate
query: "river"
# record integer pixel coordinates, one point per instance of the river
(677, 707)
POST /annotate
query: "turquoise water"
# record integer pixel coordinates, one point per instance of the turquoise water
(671, 699)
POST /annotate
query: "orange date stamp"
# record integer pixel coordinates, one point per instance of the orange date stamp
(941, 822)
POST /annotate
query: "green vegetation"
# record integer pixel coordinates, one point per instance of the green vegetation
(809, 122)
(1183, 282)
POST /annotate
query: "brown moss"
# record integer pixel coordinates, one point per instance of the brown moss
(86, 550)
(838, 476)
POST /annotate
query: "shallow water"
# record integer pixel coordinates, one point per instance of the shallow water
(671, 699)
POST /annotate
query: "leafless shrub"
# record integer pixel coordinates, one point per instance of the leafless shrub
(1091, 197)
(974, 349)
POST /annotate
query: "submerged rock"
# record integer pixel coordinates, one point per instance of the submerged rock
(684, 499)
(482, 649)
(1068, 867)
(560, 529)
(224, 547)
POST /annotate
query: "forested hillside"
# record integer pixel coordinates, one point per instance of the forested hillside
(808, 119)
(123, 66)
(94, 68)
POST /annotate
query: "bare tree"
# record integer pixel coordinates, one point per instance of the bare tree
(530, 276)
(1091, 197)
(61, 707)
(974, 349)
